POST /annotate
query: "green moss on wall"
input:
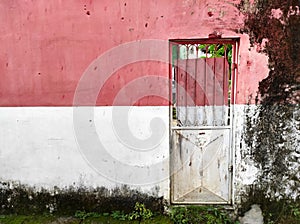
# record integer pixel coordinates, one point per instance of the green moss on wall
(21, 199)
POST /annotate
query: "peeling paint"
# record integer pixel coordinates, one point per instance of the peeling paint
(272, 134)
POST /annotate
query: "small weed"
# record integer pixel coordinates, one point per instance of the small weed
(199, 214)
(295, 211)
(120, 215)
(140, 213)
(84, 215)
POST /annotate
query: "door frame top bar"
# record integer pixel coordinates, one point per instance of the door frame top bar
(226, 40)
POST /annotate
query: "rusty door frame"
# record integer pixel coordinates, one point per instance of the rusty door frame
(235, 42)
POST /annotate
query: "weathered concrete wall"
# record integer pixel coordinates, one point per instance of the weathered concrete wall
(271, 132)
(46, 46)
(59, 55)
(272, 135)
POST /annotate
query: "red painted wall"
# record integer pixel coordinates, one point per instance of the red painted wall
(47, 45)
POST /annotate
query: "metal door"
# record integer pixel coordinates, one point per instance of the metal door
(203, 78)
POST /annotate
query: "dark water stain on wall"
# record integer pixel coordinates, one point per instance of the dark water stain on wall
(272, 134)
(272, 131)
(276, 24)
(21, 199)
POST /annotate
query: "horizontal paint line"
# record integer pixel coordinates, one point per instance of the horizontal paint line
(202, 128)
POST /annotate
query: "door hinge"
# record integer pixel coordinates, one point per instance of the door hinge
(230, 168)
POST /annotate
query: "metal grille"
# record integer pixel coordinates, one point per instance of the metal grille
(202, 78)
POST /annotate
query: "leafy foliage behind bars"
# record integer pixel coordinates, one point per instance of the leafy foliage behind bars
(217, 51)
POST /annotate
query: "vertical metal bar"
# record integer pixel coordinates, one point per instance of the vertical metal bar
(205, 88)
(235, 48)
(225, 87)
(230, 122)
(171, 147)
(177, 93)
(195, 87)
(234, 65)
(186, 84)
(214, 90)
(171, 79)
(230, 84)
(170, 85)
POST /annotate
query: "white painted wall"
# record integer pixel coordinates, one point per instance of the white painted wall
(53, 146)
(39, 146)
(245, 173)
